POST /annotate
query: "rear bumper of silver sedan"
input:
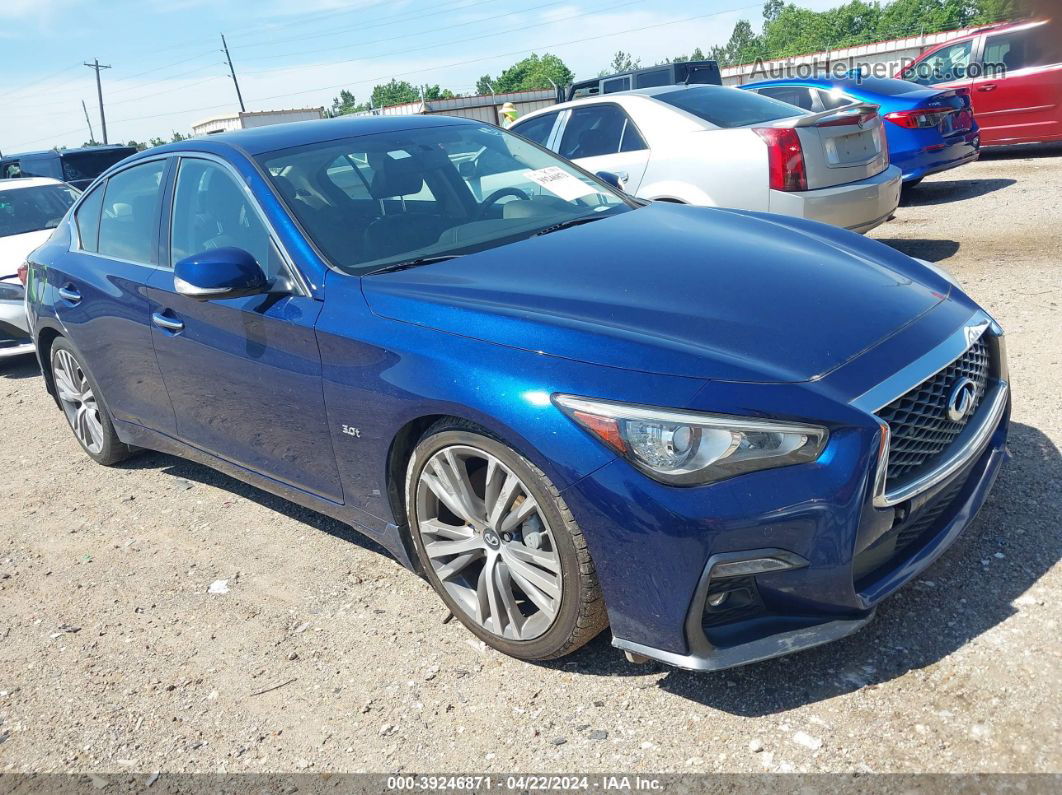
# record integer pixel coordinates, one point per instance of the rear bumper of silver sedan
(858, 206)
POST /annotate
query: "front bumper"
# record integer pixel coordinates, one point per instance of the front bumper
(658, 549)
(14, 329)
(858, 206)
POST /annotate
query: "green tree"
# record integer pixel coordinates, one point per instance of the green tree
(177, 137)
(345, 103)
(621, 62)
(155, 142)
(396, 92)
(91, 142)
(526, 75)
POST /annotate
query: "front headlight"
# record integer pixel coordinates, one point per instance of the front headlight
(688, 447)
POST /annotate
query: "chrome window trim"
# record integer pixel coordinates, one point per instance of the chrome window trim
(972, 439)
(100, 183)
(298, 281)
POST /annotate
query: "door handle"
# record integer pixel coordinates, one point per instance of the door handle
(623, 176)
(168, 323)
(988, 87)
(70, 293)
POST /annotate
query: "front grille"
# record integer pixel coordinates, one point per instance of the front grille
(919, 426)
(910, 535)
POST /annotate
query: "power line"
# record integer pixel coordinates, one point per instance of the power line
(40, 80)
(458, 25)
(451, 42)
(434, 68)
(510, 53)
(382, 22)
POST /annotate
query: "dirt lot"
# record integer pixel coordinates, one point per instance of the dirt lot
(959, 673)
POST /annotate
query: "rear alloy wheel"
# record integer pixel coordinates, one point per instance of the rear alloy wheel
(80, 400)
(500, 546)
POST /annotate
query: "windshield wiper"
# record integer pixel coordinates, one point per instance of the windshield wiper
(568, 224)
(412, 263)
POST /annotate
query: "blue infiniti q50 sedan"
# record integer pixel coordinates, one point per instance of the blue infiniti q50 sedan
(727, 435)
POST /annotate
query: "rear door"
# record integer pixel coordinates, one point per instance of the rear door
(244, 374)
(603, 137)
(1018, 94)
(100, 291)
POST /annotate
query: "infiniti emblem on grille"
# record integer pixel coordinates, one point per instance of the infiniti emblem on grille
(961, 399)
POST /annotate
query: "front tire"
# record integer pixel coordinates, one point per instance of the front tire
(82, 403)
(499, 545)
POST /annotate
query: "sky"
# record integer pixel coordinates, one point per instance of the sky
(168, 71)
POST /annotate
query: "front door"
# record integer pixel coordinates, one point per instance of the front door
(602, 137)
(243, 374)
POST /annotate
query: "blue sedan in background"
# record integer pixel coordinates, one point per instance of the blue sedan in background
(929, 129)
(729, 435)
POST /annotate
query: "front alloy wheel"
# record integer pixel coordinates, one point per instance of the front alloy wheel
(500, 546)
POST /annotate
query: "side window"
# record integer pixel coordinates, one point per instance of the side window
(794, 95)
(831, 100)
(211, 210)
(1007, 52)
(599, 130)
(950, 63)
(616, 84)
(12, 170)
(87, 218)
(536, 129)
(128, 222)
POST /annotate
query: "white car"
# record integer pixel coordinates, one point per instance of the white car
(30, 209)
(724, 147)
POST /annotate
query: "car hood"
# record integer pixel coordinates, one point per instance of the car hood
(670, 289)
(15, 248)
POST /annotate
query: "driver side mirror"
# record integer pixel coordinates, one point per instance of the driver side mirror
(219, 273)
(612, 179)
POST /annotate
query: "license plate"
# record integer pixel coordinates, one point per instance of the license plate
(856, 147)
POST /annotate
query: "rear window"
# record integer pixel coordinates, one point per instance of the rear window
(728, 107)
(885, 86)
(80, 166)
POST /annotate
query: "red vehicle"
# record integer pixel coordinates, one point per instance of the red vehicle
(1014, 75)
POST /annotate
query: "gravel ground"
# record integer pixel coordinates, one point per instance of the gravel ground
(326, 655)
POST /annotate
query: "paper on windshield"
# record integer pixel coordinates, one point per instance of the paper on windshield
(560, 183)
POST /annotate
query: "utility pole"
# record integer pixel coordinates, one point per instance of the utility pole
(232, 71)
(92, 135)
(99, 93)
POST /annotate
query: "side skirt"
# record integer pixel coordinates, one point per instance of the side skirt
(387, 534)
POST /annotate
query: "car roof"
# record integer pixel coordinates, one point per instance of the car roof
(995, 27)
(75, 151)
(273, 137)
(28, 182)
(883, 86)
(624, 97)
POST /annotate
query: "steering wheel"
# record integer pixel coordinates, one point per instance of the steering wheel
(501, 193)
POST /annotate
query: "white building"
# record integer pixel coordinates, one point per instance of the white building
(230, 122)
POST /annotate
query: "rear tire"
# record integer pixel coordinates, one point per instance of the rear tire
(520, 576)
(82, 403)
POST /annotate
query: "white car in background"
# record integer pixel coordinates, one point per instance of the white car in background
(30, 208)
(724, 147)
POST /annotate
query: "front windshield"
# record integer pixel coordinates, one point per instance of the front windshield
(31, 209)
(375, 200)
